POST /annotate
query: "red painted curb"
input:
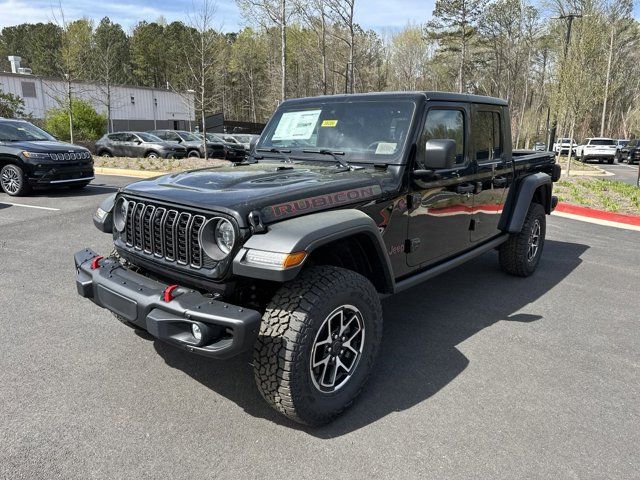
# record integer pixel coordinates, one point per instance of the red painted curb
(599, 214)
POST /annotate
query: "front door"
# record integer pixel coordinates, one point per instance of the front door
(494, 167)
(440, 205)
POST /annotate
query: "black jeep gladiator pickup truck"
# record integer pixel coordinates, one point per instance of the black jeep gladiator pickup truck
(346, 199)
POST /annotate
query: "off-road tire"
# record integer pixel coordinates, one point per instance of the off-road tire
(513, 253)
(17, 175)
(288, 331)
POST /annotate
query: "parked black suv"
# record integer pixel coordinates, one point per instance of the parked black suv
(630, 152)
(31, 158)
(139, 145)
(347, 199)
(231, 151)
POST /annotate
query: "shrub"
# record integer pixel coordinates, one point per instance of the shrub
(88, 124)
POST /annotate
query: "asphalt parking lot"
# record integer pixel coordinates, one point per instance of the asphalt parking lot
(622, 172)
(481, 375)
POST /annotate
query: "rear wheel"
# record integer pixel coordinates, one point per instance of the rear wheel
(318, 340)
(520, 254)
(104, 153)
(13, 181)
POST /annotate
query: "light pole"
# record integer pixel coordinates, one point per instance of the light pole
(554, 126)
(191, 92)
(155, 107)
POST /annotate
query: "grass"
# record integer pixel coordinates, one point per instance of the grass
(599, 193)
(157, 164)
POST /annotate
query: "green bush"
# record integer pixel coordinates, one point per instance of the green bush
(87, 123)
(11, 106)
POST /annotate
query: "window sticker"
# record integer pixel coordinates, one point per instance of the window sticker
(386, 148)
(296, 125)
(329, 123)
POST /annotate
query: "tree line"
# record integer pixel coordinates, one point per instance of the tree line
(586, 83)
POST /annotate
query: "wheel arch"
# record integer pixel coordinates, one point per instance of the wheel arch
(10, 159)
(344, 238)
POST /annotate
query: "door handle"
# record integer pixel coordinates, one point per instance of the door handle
(466, 188)
(499, 181)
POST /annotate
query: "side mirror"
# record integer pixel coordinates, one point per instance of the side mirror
(138, 141)
(440, 154)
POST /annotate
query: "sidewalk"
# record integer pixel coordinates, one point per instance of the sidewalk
(599, 217)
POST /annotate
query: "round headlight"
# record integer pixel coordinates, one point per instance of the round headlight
(225, 235)
(120, 214)
(217, 238)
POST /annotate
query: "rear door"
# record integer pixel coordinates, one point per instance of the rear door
(439, 206)
(130, 145)
(491, 152)
(115, 142)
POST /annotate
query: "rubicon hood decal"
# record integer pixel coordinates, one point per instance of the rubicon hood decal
(319, 202)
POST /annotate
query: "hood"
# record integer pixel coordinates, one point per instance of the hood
(48, 146)
(277, 190)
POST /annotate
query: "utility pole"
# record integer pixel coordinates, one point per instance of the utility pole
(569, 17)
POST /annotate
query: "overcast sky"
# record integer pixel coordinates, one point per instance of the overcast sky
(380, 15)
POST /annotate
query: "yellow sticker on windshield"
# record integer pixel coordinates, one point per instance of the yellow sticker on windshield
(329, 123)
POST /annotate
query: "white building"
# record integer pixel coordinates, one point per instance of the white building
(132, 108)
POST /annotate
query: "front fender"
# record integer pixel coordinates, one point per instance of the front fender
(104, 220)
(306, 234)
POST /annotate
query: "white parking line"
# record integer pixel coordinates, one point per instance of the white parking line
(30, 206)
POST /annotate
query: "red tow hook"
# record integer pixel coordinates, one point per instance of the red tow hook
(167, 295)
(95, 263)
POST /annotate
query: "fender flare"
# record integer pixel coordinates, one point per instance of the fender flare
(105, 224)
(521, 200)
(307, 233)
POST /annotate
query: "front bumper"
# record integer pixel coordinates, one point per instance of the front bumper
(139, 299)
(63, 174)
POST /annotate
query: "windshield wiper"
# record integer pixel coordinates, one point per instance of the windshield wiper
(324, 151)
(283, 153)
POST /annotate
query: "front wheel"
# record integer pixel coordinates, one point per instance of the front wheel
(520, 254)
(152, 155)
(318, 340)
(194, 154)
(13, 181)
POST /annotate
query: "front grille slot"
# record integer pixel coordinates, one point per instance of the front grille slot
(166, 233)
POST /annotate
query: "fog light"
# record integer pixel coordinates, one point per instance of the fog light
(196, 332)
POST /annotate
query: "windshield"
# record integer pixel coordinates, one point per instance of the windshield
(374, 130)
(189, 137)
(602, 142)
(214, 138)
(21, 132)
(148, 137)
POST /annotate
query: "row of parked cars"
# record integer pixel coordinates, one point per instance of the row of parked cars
(174, 144)
(601, 149)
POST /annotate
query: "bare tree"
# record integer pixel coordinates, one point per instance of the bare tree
(342, 12)
(73, 59)
(315, 16)
(200, 59)
(278, 13)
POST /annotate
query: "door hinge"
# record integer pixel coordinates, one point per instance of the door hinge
(413, 201)
(411, 244)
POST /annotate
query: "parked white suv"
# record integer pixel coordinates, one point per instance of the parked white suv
(563, 145)
(601, 149)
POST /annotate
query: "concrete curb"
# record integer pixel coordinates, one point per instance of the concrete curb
(600, 217)
(123, 172)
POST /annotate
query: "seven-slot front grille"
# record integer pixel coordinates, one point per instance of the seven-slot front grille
(166, 233)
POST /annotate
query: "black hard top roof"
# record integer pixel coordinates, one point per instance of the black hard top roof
(437, 96)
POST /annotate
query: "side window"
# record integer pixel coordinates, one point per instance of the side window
(173, 137)
(444, 125)
(486, 134)
(129, 137)
(116, 137)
